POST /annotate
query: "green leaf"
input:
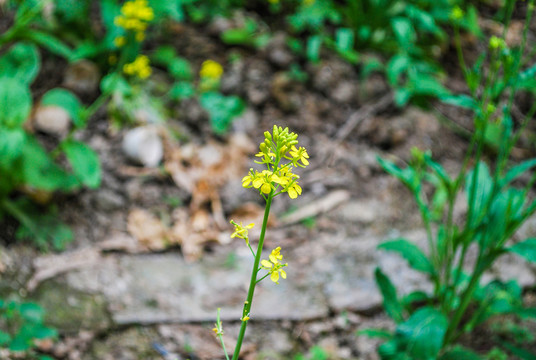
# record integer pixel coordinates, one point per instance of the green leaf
(164, 55)
(172, 9)
(521, 353)
(396, 66)
(526, 313)
(392, 306)
(20, 62)
(85, 163)
(482, 190)
(65, 99)
(181, 91)
(375, 333)
(517, 171)
(344, 39)
(11, 144)
(43, 332)
(463, 101)
(20, 344)
(237, 37)
(460, 353)
(114, 82)
(404, 32)
(222, 109)
(423, 333)
(38, 169)
(314, 44)
(4, 338)
(50, 43)
(15, 102)
(180, 69)
(32, 312)
(525, 249)
(411, 253)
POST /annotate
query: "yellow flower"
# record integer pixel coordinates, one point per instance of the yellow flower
(139, 67)
(299, 155)
(274, 266)
(134, 16)
(211, 69)
(241, 231)
(120, 41)
(245, 318)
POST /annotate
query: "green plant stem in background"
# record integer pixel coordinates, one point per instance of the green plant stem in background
(253, 280)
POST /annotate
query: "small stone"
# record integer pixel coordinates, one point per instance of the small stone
(360, 211)
(52, 120)
(278, 52)
(82, 77)
(107, 200)
(345, 92)
(144, 146)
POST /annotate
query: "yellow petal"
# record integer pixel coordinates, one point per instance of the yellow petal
(283, 274)
(266, 264)
(266, 188)
(274, 277)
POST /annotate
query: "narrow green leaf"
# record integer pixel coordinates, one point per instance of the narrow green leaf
(411, 253)
(313, 48)
(344, 39)
(375, 333)
(49, 42)
(460, 353)
(525, 249)
(424, 332)
(85, 163)
(517, 171)
(521, 353)
(463, 101)
(392, 306)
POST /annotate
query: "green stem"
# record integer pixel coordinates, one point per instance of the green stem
(253, 281)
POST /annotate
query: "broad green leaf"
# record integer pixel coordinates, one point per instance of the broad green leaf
(164, 55)
(222, 109)
(506, 209)
(20, 62)
(314, 44)
(460, 353)
(392, 306)
(181, 90)
(43, 332)
(423, 333)
(11, 144)
(72, 11)
(172, 9)
(65, 99)
(84, 162)
(180, 69)
(20, 343)
(114, 82)
(416, 296)
(525, 249)
(32, 312)
(411, 253)
(4, 338)
(237, 37)
(15, 102)
(38, 169)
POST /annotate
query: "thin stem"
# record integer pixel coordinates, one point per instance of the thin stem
(220, 334)
(253, 281)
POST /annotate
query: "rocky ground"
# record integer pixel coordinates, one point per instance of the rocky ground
(152, 258)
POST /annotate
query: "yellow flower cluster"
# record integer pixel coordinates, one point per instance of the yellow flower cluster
(274, 265)
(276, 149)
(135, 16)
(139, 67)
(241, 231)
(210, 69)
